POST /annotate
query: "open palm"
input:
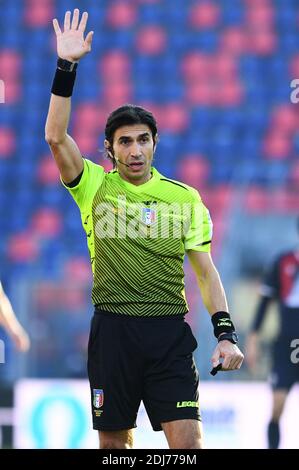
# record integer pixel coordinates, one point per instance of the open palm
(71, 44)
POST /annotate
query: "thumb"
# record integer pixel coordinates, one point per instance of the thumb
(216, 357)
(88, 40)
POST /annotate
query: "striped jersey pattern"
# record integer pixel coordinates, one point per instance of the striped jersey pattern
(137, 237)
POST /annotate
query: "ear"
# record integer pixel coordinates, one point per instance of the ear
(106, 144)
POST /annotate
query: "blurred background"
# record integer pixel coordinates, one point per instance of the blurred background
(217, 76)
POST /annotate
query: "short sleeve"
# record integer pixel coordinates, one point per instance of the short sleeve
(199, 234)
(91, 179)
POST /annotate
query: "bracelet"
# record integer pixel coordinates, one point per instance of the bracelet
(64, 79)
(222, 323)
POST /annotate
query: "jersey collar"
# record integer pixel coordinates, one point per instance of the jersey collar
(141, 187)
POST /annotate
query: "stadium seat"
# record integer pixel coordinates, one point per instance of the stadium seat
(121, 14)
(193, 170)
(47, 171)
(206, 14)
(46, 223)
(22, 248)
(151, 40)
(7, 142)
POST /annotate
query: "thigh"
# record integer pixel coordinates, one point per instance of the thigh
(115, 376)
(184, 434)
(171, 379)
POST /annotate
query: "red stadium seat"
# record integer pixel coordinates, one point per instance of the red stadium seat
(86, 140)
(116, 94)
(204, 15)
(256, 200)
(151, 40)
(89, 116)
(277, 145)
(148, 1)
(7, 142)
(260, 15)
(223, 67)
(285, 119)
(294, 175)
(47, 171)
(39, 12)
(12, 91)
(261, 41)
(196, 66)
(22, 248)
(121, 14)
(229, 93)
(78, 269)
(46, 223)
(115, 64)
(193, 170)
(200, 93)
(10, 65)
(234, 40)
(174, 117)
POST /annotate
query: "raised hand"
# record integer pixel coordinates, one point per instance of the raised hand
(71, 44)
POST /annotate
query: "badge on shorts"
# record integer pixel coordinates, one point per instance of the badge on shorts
(98, 397)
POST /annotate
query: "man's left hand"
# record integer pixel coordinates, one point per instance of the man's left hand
(230, 353)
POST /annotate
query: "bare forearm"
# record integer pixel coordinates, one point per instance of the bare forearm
(57, 119)
(212, 292)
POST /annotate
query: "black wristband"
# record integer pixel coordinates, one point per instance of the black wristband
(222, 323)
(63, 83)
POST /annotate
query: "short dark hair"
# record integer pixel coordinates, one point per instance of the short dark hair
(127, 115)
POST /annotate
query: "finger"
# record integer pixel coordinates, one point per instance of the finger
(67, 21)
(215, 358)
(83, 22)
(234, 363)
(75, 19)
(88, 40)
(226, 363)
(56, 27)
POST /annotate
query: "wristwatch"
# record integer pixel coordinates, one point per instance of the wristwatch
(232, 337)
(66, 65)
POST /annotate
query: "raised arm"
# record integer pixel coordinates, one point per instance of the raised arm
(71, 46)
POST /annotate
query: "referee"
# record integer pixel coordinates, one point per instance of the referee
(139, 225)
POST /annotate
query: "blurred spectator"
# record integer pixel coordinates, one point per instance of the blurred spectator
(282, 285)
(10, 323)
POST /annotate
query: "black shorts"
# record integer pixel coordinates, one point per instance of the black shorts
(284, 372)
(132, 359)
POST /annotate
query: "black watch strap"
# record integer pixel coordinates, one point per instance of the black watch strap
(232, 337)
(66, 65)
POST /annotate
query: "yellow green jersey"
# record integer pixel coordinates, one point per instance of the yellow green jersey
(137, 237)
